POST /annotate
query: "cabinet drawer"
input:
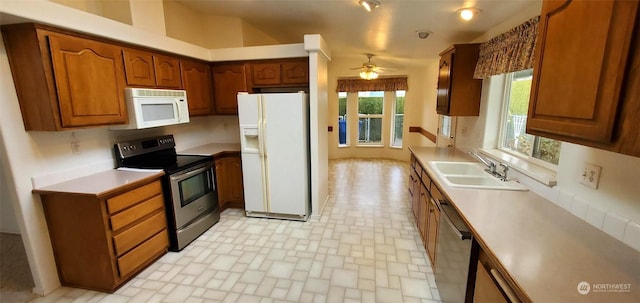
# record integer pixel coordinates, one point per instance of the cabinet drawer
(137, 234)
(136, 212)
(133, 197)
(143, 253)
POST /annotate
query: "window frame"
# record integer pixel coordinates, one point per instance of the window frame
(506, 99)
(381, 116)
(346, 118)
(392, 125)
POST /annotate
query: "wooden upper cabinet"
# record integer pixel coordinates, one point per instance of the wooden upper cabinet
(582, 59)
(266, 73)
(228, 80)
(89, 79)
(167, 72)
(458, 93)
(196, 79)
(138, 67)
(151, 70)
(280, 72)
(295, 72)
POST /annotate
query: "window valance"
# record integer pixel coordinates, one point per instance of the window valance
(381, 84)
(512, 51)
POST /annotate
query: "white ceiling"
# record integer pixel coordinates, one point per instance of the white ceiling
(389, 31)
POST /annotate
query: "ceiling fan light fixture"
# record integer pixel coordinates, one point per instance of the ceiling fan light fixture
(468, 13)
(369, 5)
(368, 74)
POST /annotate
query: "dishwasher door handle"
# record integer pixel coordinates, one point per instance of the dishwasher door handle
(462, 235)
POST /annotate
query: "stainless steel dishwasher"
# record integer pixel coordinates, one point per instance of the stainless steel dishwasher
(453, 253)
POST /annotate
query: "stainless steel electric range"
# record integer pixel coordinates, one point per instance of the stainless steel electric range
(190, 195)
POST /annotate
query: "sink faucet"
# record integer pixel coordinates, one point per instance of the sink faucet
(491, 167)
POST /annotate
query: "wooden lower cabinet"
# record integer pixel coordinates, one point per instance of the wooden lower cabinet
(490, 286)
(486, 291)
(424, 198)
(229, 181)
(101, 242)
(423, 212)
(433, 222)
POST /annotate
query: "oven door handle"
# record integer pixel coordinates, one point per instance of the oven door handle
(186, 175)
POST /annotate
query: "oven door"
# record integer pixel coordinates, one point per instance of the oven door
(193, 193)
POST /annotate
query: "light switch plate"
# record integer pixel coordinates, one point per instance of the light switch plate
(590, 175)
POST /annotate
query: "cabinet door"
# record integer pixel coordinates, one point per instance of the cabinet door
(486, 291)
(433, 223)
(415, 190)
(265, 73)
(222, 182)
(90, 80)
(167, 72)
(138, 68)
(229, 182)
(423, 212)
(196, 77)
(295, 72)
(444, 83)
(235, 179)
(581, 58)
(228, 80)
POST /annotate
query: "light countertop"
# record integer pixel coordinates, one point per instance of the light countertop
(101, 184)
(211, 149)
(545, 249)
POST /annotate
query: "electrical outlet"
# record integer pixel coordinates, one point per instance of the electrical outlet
(590, 175)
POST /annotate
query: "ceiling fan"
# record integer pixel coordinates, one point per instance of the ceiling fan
(370, 70)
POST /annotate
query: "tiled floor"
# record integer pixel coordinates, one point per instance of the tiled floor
(365, 248)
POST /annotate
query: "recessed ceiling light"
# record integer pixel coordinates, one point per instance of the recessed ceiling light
(369, 5)
(468, 13)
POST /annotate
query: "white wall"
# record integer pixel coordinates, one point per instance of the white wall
(319, 57)
(116, 10)
(148, 15)
(208, 31)
(419, 109)
(8, 221)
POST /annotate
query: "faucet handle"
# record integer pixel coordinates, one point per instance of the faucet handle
(505, 170)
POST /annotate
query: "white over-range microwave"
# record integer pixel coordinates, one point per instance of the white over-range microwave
(155, 107)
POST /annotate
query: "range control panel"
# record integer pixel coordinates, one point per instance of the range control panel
(143, 146)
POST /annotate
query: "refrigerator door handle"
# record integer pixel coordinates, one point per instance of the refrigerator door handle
(263, 155)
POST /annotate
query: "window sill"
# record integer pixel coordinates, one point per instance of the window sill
(536, 172)
(395, 147)
(343, 145)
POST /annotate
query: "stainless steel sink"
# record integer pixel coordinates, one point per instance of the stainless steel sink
(471, 175)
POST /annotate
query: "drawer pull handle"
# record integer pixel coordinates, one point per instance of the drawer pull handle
(505, 287)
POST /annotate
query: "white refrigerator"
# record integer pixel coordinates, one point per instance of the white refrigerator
(274, 140)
